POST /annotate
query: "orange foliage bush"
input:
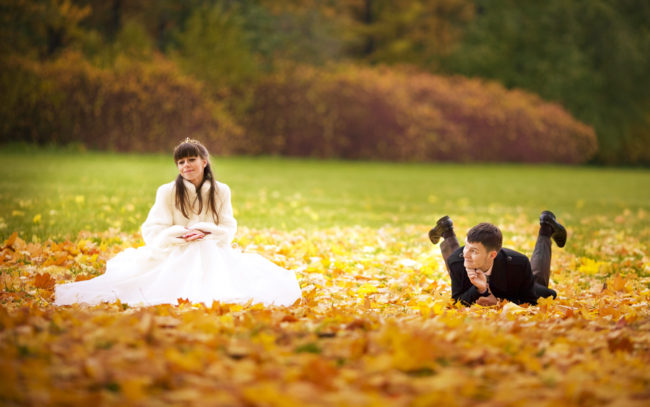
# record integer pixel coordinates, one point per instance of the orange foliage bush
(367, 113)
(134, 106)
(347, 112)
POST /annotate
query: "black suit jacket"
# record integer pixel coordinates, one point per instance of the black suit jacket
(511, 278)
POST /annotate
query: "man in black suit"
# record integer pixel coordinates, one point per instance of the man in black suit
(482, 271)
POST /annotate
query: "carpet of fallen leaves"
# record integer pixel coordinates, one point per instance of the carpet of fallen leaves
(375, 327)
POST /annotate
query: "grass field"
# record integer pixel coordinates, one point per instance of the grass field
(56, 194)
(375, 326)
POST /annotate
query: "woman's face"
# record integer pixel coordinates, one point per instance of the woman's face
(191, 169)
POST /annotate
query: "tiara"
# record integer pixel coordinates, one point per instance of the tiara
(191, 141)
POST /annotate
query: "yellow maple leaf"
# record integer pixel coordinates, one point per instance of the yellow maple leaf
(366, 289)
(589, 266)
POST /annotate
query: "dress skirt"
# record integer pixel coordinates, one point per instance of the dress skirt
(198, 271)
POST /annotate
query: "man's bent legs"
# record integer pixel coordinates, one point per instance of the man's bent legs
(540, 261)
(447, 247)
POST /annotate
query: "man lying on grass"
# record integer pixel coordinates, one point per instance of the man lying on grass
(482, 271)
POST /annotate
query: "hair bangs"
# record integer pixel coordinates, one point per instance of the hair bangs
(185, 150)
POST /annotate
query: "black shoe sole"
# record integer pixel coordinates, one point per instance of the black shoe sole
(559, 232)
(443, 224)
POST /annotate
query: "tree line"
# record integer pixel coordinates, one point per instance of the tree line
(589, 56)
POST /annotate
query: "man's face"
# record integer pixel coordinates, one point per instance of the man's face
(477, 256)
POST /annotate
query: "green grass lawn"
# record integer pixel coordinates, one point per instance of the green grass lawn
(56, 194)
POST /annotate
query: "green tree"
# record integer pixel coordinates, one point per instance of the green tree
(292, 31)
(592, 56)
(39, 28)
(162, 19)
(418, 32)
(213, 48)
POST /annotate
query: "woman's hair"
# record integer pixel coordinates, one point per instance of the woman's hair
(192, 148)
(487, 234)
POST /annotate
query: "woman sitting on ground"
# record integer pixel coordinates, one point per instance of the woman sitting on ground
(187, 254)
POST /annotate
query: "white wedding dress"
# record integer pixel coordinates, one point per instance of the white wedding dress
(168, 268)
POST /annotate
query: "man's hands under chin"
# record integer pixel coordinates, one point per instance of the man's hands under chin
(478, 278)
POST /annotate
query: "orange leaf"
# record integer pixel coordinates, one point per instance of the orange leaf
(182, 301)
(44, 281)
(288, 318)
(358, 324)
(618, 283)
(620, 342)
(11, 239)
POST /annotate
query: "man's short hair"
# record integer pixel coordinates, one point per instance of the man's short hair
(486, 234)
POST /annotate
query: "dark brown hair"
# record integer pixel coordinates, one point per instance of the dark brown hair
(192, 148)
(486, 234)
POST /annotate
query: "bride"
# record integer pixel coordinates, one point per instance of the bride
(187, 254)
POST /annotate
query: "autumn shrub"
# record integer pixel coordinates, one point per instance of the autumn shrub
(132, 106)
(381, 113)
(483, 121)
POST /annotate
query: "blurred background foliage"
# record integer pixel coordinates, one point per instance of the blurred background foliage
(456, 80)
